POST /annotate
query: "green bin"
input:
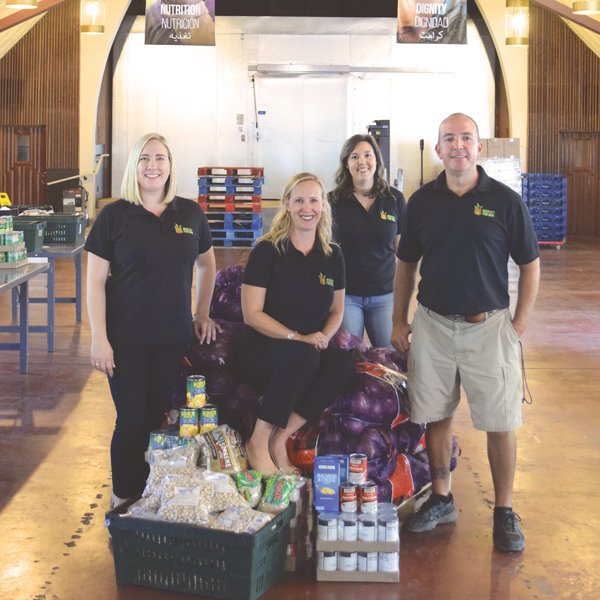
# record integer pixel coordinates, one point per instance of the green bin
(33, 232)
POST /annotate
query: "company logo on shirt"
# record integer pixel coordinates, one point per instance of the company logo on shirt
(483, 212)
(386, 216)
(182, 229)
(324, 280)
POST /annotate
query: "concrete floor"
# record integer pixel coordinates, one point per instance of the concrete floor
(56, 422)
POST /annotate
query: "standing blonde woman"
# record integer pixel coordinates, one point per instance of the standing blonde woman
(293, 298)
(142, 252)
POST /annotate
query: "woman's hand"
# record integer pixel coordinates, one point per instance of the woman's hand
(102, 357)
(318, 339)
(205, 329)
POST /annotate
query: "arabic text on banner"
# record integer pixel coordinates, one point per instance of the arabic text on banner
(432, 22)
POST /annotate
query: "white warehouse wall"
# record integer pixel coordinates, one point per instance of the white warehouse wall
(203, 98)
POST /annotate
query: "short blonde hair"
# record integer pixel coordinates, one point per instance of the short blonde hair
(282, 221)
(130, 187)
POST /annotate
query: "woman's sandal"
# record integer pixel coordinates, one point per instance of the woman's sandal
(291, 470)
(251, 464)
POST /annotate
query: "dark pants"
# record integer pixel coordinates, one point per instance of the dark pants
(141, 387)
(294, 376)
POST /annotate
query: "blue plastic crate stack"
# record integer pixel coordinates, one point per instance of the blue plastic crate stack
(545, 194)
(231, 198)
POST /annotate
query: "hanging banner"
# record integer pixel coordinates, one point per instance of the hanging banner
(186, 23)
(432, 22)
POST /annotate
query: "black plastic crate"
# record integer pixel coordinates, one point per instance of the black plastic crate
(33, 232)
(65, 228)
(197, 560)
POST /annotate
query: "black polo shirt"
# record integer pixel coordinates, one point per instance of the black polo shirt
(148, 291)
(299, 288)
(367, 241)
(465, 243)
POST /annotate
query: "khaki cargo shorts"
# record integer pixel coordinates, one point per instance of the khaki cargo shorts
(484, 357)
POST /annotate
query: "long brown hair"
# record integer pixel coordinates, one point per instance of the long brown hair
(343, 178)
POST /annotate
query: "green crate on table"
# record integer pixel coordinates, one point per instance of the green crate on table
(65, 228)
(33, 231)
(197, 560)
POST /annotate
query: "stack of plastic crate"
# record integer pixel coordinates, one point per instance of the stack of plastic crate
(231, 199)
(545, 194)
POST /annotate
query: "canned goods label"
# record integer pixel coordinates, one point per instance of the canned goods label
(348, 497)
(387, 528)
(327, 527)
(388, 562)
(367, 528)
(367, 493)
(367, 561)
(347, 561)
(209, 417)
(348, 527)
(327, 561)
(196, 391)
(188, 421)
(357, 468)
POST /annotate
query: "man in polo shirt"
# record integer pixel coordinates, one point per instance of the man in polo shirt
(463, 227)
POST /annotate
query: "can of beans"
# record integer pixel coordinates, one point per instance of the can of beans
(188, 421)
(347, 561)
(348, 497)
(357, 468)
(367, 528)
(327, 527)
(367, 495)
(388, 527)
(196, 391)
(327, 561)
(348, 527)
(367, 561)
(388, 562)
(209, 417)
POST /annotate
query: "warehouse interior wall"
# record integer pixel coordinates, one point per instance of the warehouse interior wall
(267, 95)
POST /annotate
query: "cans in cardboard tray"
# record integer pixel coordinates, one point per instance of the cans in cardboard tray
(209, 417)
(189, 422)
(195, 391)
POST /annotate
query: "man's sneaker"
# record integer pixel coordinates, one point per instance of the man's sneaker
(508, 536)
(432, 513)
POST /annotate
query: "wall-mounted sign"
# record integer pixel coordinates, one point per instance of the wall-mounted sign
(187, 22)
(432, 22)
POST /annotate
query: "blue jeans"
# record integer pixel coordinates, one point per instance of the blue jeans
(373, 313)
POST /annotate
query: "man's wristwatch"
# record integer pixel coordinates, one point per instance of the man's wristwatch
(291, 335)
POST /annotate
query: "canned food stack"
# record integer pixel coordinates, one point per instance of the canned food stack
(359, 539)
(231, 197)
(13, 253)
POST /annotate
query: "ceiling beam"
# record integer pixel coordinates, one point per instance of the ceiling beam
(565, 11)
(9, 20)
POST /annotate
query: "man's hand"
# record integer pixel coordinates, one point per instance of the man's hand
(400, 333)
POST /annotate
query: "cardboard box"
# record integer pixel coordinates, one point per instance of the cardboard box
(484, 149)
(495, 147)
(359, 546)
(512, 148)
